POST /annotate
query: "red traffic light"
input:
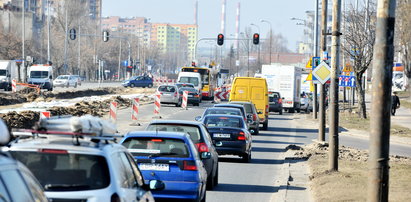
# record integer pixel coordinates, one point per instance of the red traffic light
(256, 38)
(220, 39)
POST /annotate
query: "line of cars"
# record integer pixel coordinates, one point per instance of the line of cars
(173, 94)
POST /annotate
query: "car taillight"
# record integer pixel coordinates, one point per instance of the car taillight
(53, 151)
(266, 109)
(115, 198)
(175, 94)
(241, 136)
(280, 101)
(189, 165)
(202, 147)
(254, 117)
(196, 95)
(161, 93)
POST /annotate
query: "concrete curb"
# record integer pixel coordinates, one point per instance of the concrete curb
(282, 181)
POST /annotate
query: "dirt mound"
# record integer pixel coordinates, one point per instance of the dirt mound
(9, 99)
(25, 119)
(346, 153)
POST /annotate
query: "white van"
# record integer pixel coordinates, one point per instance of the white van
(191, 77)
(41, 75)
(8, 72)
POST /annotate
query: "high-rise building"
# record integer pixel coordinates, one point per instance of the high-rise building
(138, 26)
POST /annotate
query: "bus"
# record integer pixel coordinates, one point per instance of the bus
(207, 79)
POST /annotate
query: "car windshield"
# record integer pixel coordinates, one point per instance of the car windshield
(134, 77)
(191, 90)
(193, 80)
(248, 107)
(166, 89)
(221, 121)
(145, 146)
(57, 171)
(63, 77)
(3, 72)
(223, 111)
(39, 74)
(193, 131)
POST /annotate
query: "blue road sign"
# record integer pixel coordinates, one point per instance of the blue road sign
(125, 63)
(347, 81)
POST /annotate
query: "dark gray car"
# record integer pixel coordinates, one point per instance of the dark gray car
(252, 117)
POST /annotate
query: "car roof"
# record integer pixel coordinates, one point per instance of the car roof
(223, 108)
(229, 105)
(61, 143)
(177, 122)
(223, 115)
(157, 134)
(240, 102)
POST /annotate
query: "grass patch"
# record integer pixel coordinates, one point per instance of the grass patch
(400, 131)
(350, 183)
(406, 104)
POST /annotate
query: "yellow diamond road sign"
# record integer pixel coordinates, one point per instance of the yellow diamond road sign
(322, 72)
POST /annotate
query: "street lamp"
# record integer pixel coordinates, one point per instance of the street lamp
(271, 34)
(252, 24)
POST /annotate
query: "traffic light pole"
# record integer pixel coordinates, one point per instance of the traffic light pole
(321, 130)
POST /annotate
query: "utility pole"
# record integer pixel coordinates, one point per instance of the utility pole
(23, 30)
(48, 31)
(335, 59)
(324, 13)
(65, 41)
(378, 178)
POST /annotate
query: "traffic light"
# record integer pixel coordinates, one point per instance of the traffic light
(256, 38)
(72, 34)
(105, 36)
(220, 39)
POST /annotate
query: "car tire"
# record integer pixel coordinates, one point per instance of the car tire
(291, 110)
(256, 131)
(281, 112)
(216, 177)
(265, 125)
(246, 158)
(298, 110)
(150, 85)
(50, 89)
(132, 85)
(210, 181)
(75, 85)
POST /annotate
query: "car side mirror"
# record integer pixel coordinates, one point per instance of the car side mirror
(249, 116)
(283, 98)
(50, 77)
(205, 155)
(156, 185)
(260, 112)
(197, 118)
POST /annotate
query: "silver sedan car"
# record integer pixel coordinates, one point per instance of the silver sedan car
(169, 95)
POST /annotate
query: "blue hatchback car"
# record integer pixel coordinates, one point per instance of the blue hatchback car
(138, 81)
(173, 158)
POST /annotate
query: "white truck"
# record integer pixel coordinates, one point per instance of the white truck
(286, 80)
(42, 75)
(191, 77)
(8, 72)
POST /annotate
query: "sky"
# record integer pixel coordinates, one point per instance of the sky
(277, 12)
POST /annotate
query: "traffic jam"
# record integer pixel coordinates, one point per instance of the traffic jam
(71, 158)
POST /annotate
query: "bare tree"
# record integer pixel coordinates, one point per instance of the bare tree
(403, 27)
(359, 41)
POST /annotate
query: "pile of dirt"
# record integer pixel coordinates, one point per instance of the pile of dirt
(25, 119)
(81, 93)
(9, 99)
(346, 153)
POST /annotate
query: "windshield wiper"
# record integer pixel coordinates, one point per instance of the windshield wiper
(66, 186)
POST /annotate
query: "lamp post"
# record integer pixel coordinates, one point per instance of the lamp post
(271, 35)
(252, 24)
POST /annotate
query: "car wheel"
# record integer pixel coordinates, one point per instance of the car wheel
(68, 85)
(210, 181)
(150, 85)
(132, 85)
(216, 177)
(256, 131)
(298, 110)
(246, 158)
(265, 125)
(75, 85)
(291, 110)
(50, 89)
(281, 112)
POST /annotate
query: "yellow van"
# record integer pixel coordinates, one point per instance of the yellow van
(254, 90)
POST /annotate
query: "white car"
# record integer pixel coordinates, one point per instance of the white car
(80, 166)
(66, 81)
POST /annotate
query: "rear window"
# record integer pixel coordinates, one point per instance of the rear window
(191, 90)
(223, 122)
(167, 89)
(140, 146)
(193, 131)
(223, 111)
(66, 172)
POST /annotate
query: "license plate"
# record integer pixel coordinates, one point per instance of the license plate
(154, 166)
(221, 135)
(190, 95)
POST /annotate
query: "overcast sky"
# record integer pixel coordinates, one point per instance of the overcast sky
(278, 12)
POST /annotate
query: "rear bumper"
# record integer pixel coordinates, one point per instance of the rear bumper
(231, 147)
(275, 107)
(192, 100)
(178, 190)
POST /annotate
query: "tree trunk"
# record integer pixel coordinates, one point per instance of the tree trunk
(362, 110)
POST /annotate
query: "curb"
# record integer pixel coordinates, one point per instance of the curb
(283, 182)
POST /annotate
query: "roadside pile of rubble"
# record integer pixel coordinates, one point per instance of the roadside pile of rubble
(347, 153)
(27, 119)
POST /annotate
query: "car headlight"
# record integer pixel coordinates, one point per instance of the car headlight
(2, 79)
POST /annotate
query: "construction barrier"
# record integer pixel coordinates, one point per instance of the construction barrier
(29, 86)
(14, 86)
(134, 111)
(45, 115)
(113, 111)
(185, 100)
(157, 105)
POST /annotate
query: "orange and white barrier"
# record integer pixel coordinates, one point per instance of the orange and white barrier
(113, 111)
(45, 115)
(134, 109)
(14, 86)
(185, 100)
(157, 104)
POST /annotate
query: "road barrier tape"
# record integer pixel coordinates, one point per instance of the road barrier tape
(185, 100)
(113, 111)
(157, 104)
(14, 86)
